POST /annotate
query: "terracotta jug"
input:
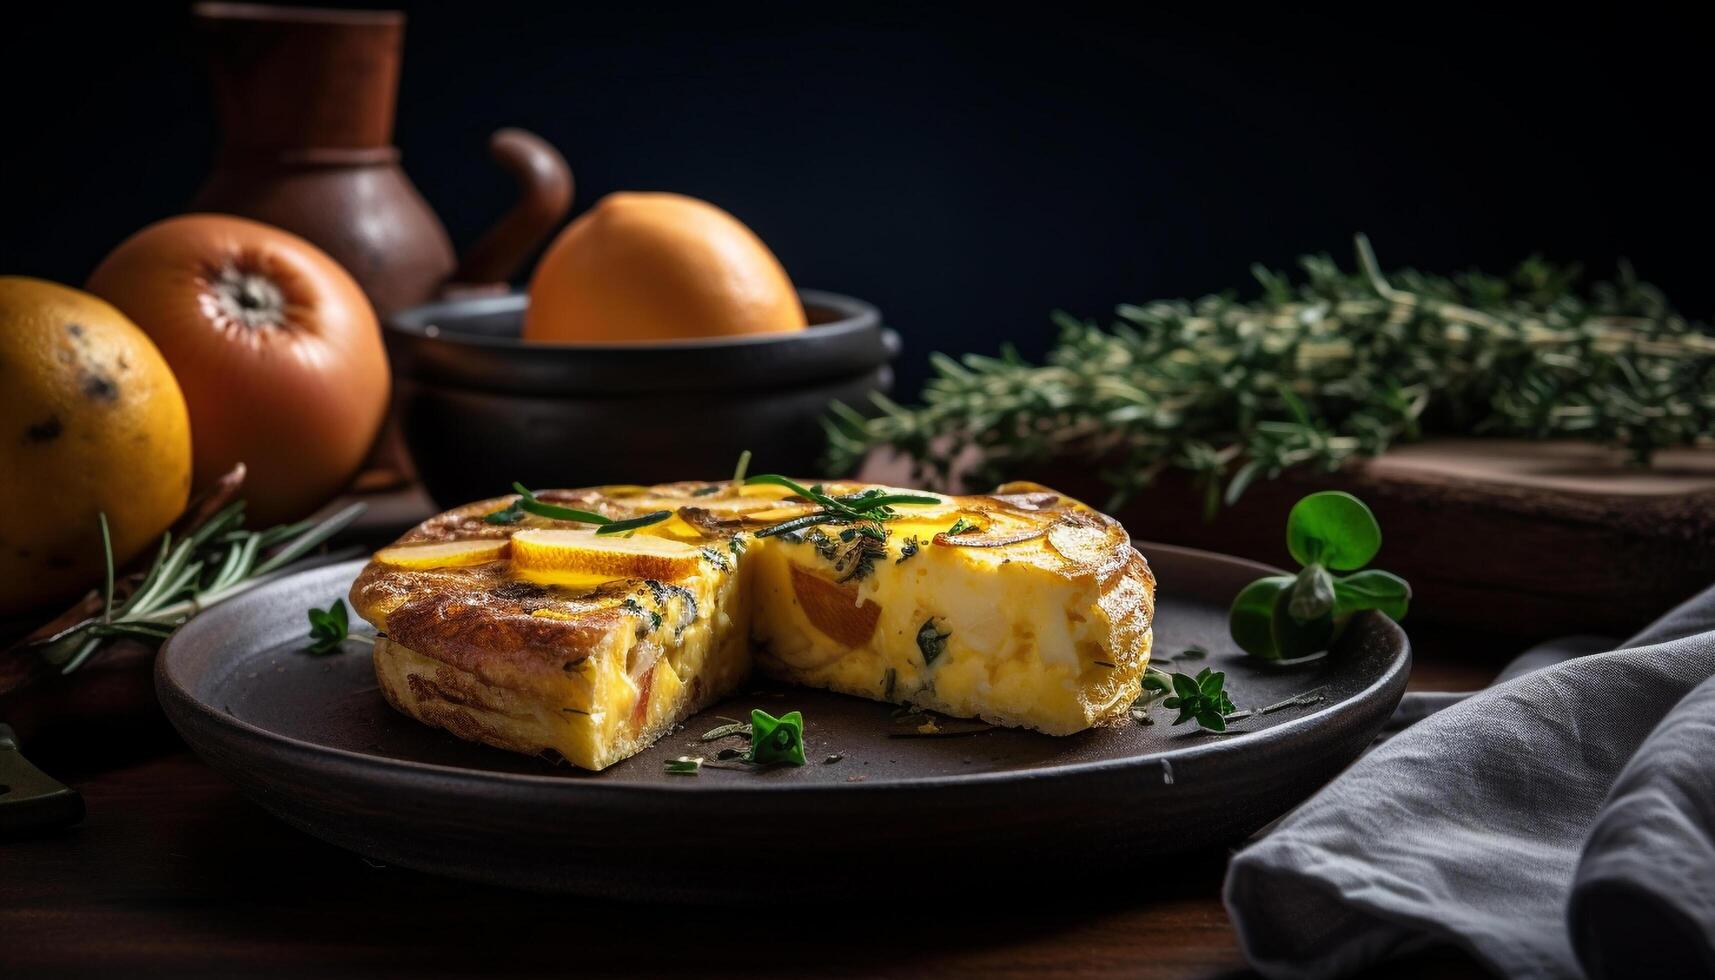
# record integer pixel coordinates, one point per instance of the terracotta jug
(305, 101)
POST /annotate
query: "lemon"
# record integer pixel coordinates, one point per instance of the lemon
(91, 422)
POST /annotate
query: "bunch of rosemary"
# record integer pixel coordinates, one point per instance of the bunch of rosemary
(1314, 374)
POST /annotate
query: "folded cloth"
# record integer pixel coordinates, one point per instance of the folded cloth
(1558, 824)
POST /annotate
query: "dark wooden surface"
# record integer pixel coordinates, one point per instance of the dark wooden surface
(172, 872)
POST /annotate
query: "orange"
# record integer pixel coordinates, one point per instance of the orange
(92, 421)
(642, 267)
(277, 350)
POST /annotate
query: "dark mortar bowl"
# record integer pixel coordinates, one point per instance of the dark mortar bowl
(480, 408)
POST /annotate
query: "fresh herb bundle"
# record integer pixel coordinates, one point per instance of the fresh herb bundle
(1342, 365)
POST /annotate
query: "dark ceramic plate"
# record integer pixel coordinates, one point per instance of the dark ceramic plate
(310, 739)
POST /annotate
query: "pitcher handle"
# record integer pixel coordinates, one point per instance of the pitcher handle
(544, 197)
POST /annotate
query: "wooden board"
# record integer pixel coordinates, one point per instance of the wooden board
(1521, 538)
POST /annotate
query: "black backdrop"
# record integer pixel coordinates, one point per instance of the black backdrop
(967, 168)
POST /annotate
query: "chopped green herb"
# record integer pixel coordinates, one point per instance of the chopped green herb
(685, 765)
(1309, 697)
(527, 501)
(731, 728)
(830, 760)
(931, 641)
(510, 514)
(1194, 652)
(328, 627)
(633, 523)
(712, 488)
(909, 548)
(717, 559)
(1201, 698)
(962, 526)
(636, 608)
(776, 739)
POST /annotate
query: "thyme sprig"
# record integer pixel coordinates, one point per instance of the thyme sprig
(1342, 365)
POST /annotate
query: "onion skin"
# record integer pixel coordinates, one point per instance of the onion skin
(276, 348)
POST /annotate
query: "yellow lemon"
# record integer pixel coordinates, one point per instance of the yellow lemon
(92, 422)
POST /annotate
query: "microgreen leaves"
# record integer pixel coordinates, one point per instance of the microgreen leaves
(1284, 617)
(527, 503)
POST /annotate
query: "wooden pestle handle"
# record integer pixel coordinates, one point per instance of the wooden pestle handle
(544, 197)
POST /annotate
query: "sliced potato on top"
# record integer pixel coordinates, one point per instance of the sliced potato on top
(547, 551)
(444, 554)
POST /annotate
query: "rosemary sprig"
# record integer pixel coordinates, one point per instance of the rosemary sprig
(1312, 375)
(867, 509)
(527, 503)
(216, 561)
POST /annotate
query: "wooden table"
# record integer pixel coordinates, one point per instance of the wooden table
(172, 872)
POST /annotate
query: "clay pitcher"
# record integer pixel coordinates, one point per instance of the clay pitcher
(305, 100)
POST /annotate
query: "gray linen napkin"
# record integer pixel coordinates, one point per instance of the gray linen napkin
(1558, 824)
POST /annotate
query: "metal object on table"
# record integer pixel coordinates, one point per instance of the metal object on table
(30, 799)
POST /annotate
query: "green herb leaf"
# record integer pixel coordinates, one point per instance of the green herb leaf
(776, 739)
(1202, 699)
(633, 523)
(685, 765)
(328, 628)
(1286, 617)
(1332, 528)
(1312, 595)
(962, 526)
(527, 501)
(510, 514)
(931, 642)
(1372, 589)
(908, 549)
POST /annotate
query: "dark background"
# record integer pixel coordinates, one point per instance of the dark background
(968, 169)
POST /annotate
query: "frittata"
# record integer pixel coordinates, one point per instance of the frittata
(1022, 607)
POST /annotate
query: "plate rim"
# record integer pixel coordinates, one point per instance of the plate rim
(174, 697)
